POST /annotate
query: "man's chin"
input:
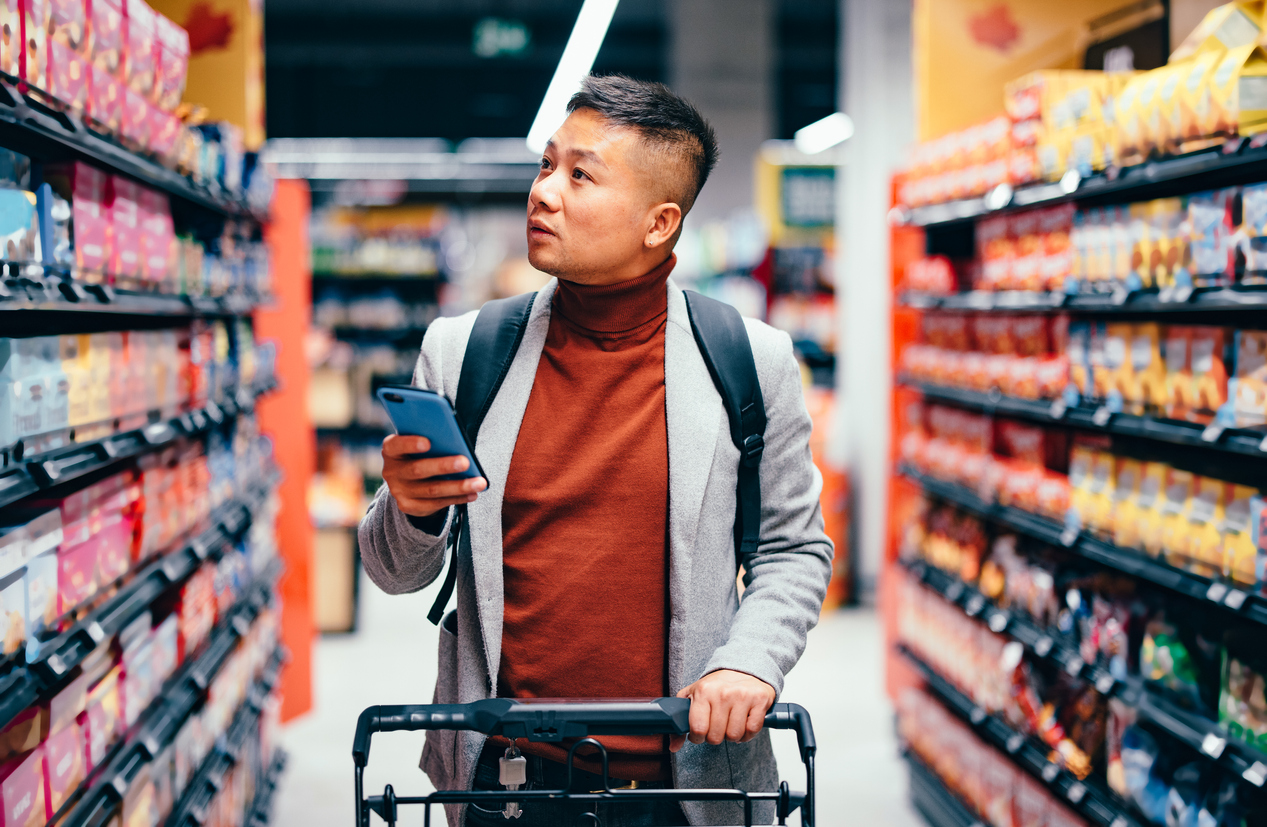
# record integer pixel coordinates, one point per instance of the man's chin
(545, 263)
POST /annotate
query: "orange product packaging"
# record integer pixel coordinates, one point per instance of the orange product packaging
(1150, 505)
(1208, 357)
(1055, 224)
(1148, 369)
(1179, 387)
(1204, 547)
(1127, 475)
(1102, 489)
(996, 250)
(993, 333)
(1176, 506)
(1114, 378)
(1248, 389)
(1196, 126)
(1081, 463)
(1240, 550)
(1169, 252)
(1027, 261)
(1121, 243)
(1142, 267)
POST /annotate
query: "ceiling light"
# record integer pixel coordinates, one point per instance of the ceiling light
(578, 58)
(824, 134)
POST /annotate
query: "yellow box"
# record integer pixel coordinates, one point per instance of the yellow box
(1149, 504)
(1117, 377)
(1229, 26)
(1141, 243)
(1170, 82)
(1126, 489)
(1204, 552)
(1081, 462)
(1102, 485)
(1197, 119)
(1240, 552)
(1238, 92)
(1148, 369)
(1176, 505)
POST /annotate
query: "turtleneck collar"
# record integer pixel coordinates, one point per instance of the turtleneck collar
(615, 308)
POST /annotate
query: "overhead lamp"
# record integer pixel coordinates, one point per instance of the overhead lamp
(824, 134)
(576, 62)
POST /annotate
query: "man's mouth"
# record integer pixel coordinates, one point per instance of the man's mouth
(537, 230)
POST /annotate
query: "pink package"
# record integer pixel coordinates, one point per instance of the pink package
(158, 239)
(76, 575)
(173, 64)
(114, 555)
(102, 721)
(138, 56)
(105, 96)
(22, 791)
(88, 191)
(67, 75)
(105, 44)
(135, 129)
(124, 214)
(163, 131)
(63, 767)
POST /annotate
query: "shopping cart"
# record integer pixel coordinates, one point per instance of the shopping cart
(555, 721)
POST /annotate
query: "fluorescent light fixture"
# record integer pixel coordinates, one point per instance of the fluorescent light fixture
(824, 134)
(578, 59)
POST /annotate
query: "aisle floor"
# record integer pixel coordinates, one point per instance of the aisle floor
(391, 660)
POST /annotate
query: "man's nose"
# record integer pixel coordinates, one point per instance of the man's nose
(545, 193)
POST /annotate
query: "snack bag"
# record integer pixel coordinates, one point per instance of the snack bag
(1213, 252)
(1253, 239)
(1149, 507)
(1170, 107)
(1078, 351)
(1103, 493)
(1081, 504)
(1179, 386)
(1126, 510)
(138, 54)
(1204, 553)
(1229, 26)
(1176, 506)
(1238, 105)
(1248, 389)
(1196, 129)
(1148, 369)
(1121, 243)
(995, 250)
(1170, 253)
(1208, 359)
(1116, 376)
(1142, 269)
(1055, 227)
(1027, 258)
(1244, 511)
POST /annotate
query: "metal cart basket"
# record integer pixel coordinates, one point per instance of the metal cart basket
(555, 721)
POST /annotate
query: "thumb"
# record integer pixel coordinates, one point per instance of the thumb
(676, 742)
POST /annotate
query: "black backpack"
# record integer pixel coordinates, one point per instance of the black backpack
(723, 342)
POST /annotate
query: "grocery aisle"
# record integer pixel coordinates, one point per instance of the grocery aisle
(392, 660)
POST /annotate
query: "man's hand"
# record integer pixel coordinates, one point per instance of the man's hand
(412, 482)
(725, 706)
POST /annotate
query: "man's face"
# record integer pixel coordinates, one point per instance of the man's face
(591, 206)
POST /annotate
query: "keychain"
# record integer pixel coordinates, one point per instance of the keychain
(513, 775)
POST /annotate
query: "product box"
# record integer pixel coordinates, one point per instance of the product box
(1208, 360)
(13, 548)
(41, 598)
(64, 766)
(995, 251)
(1213, 249)
(105, 93)
(1170, 254)
(1180, 398)
(1237, 103)
(26, 62)
(140, 38)
(12, 613)
(173, 66)
(1229, 26)
(64, 708)
(24, 733)
(77, 576)
(1240, 546)
(1115, 378)
(1128, 474)
(22, 791)
(158, 240)
(124, 212)
(103, 718)
(135, 126)
(1147, 380)
(1253, 230)
(1149, 507)
(1204, 553)
(88, 191)
(1248, 388)
(1176, 508)
(67, 75)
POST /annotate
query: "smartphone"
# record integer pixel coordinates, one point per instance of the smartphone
(419, 412)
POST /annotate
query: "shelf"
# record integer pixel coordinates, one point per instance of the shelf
(394, 334)
(1199, 733)
(25, 685)
(1247, 299)
(377, 280)
(937, 804)
(1088, 797)
(39, 132)
(1240, 442)
(191, 809)
(168, 713)
(356, 433)
(1231, 599)
(1237, 162)
(57, 292)
(31, 475)
(262, 807)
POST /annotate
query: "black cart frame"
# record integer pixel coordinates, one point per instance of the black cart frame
(553, 721)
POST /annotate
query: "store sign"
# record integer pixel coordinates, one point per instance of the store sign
(495, 37)
(809, 196)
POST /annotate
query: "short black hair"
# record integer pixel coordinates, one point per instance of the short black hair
(664, 118)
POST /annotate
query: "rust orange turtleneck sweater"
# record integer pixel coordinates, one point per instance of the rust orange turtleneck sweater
(585, 515)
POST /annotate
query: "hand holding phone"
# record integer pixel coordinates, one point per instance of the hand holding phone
(427, 473)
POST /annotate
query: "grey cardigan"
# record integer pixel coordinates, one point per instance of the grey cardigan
(710, 627)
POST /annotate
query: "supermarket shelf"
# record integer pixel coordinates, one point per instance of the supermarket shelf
(1237, 162)
(1199, 733)
(428, 282)
(1215, 593)
(57, 292)
(1150, 302)
(1094, 802)
(262, 807)
(937, 804)
(1241, 442)
(356, 433)
(25, 685)
(411, 335)
(168, 713)
(37, 131)
(191, 810)
(36, 473)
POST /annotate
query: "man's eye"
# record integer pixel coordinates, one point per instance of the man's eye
(545, 163)
(578, 174)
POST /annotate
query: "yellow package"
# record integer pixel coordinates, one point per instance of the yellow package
(1117, 371)
(1148, 368)
(73, 349)
(1141, 243)
(1121, 242)
(1204, 553)
(1086, 149)
(1179, 388)
(1126, 511)
(1240, 551)
(1053, 152)
(1224, 27)
(1170, 251)
(1176, 504)
(1126, 125)
(1081, 461)
(1170, 107)
(1248, 388)
(1238, 92)
(1102, 486)
(1148, 107)
(1149, 507)
(1196, 123)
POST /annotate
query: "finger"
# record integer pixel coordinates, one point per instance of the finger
(399, 445)
(420, 469)
(718, 720)
(425, 508)
(700, 717)
(755, 722)
(737, 722)
(438, 489)
(676, 742)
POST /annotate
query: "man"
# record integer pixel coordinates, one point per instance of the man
(601, 556)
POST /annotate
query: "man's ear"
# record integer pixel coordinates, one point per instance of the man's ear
(666, 220)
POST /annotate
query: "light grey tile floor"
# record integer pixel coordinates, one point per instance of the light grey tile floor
(861, 781)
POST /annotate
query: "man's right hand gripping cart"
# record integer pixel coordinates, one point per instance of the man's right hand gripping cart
(555, 721)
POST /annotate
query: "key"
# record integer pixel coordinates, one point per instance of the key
(513, 774)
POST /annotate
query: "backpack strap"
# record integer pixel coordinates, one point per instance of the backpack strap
(495, 338)
(723, 342)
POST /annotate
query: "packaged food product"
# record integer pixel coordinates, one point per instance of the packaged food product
(1238, 105)
(24, 733)
(1170, 253)
(1056, 227)
(1248, 389)
(1243, 514)
(41, 598)
(173, 64)
(1204, 554)
(996, 251)
(12, 613)
(1197, 129)
(1147, 379)
(1213, 249)
(1253, 239)
(124, 209)
(22, 790)
(27, 20)
(103, 718)
(77, 575)
(1208, 360)
(1180, 398)
(1227, 26)
(88, 191)
(1176, 506)
(105, 94)
(1128, 474)
(1115, 378)
(64, 766)
(1242, 704)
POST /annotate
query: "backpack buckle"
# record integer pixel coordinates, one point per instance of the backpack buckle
(753, 447)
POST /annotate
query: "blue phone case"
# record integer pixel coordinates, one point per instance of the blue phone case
(419, 412)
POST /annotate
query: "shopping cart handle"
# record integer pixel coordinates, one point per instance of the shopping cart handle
(794, 716)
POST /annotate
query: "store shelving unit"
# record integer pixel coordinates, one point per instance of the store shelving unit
(938, 804)
(44, 301)
(1143, 302)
